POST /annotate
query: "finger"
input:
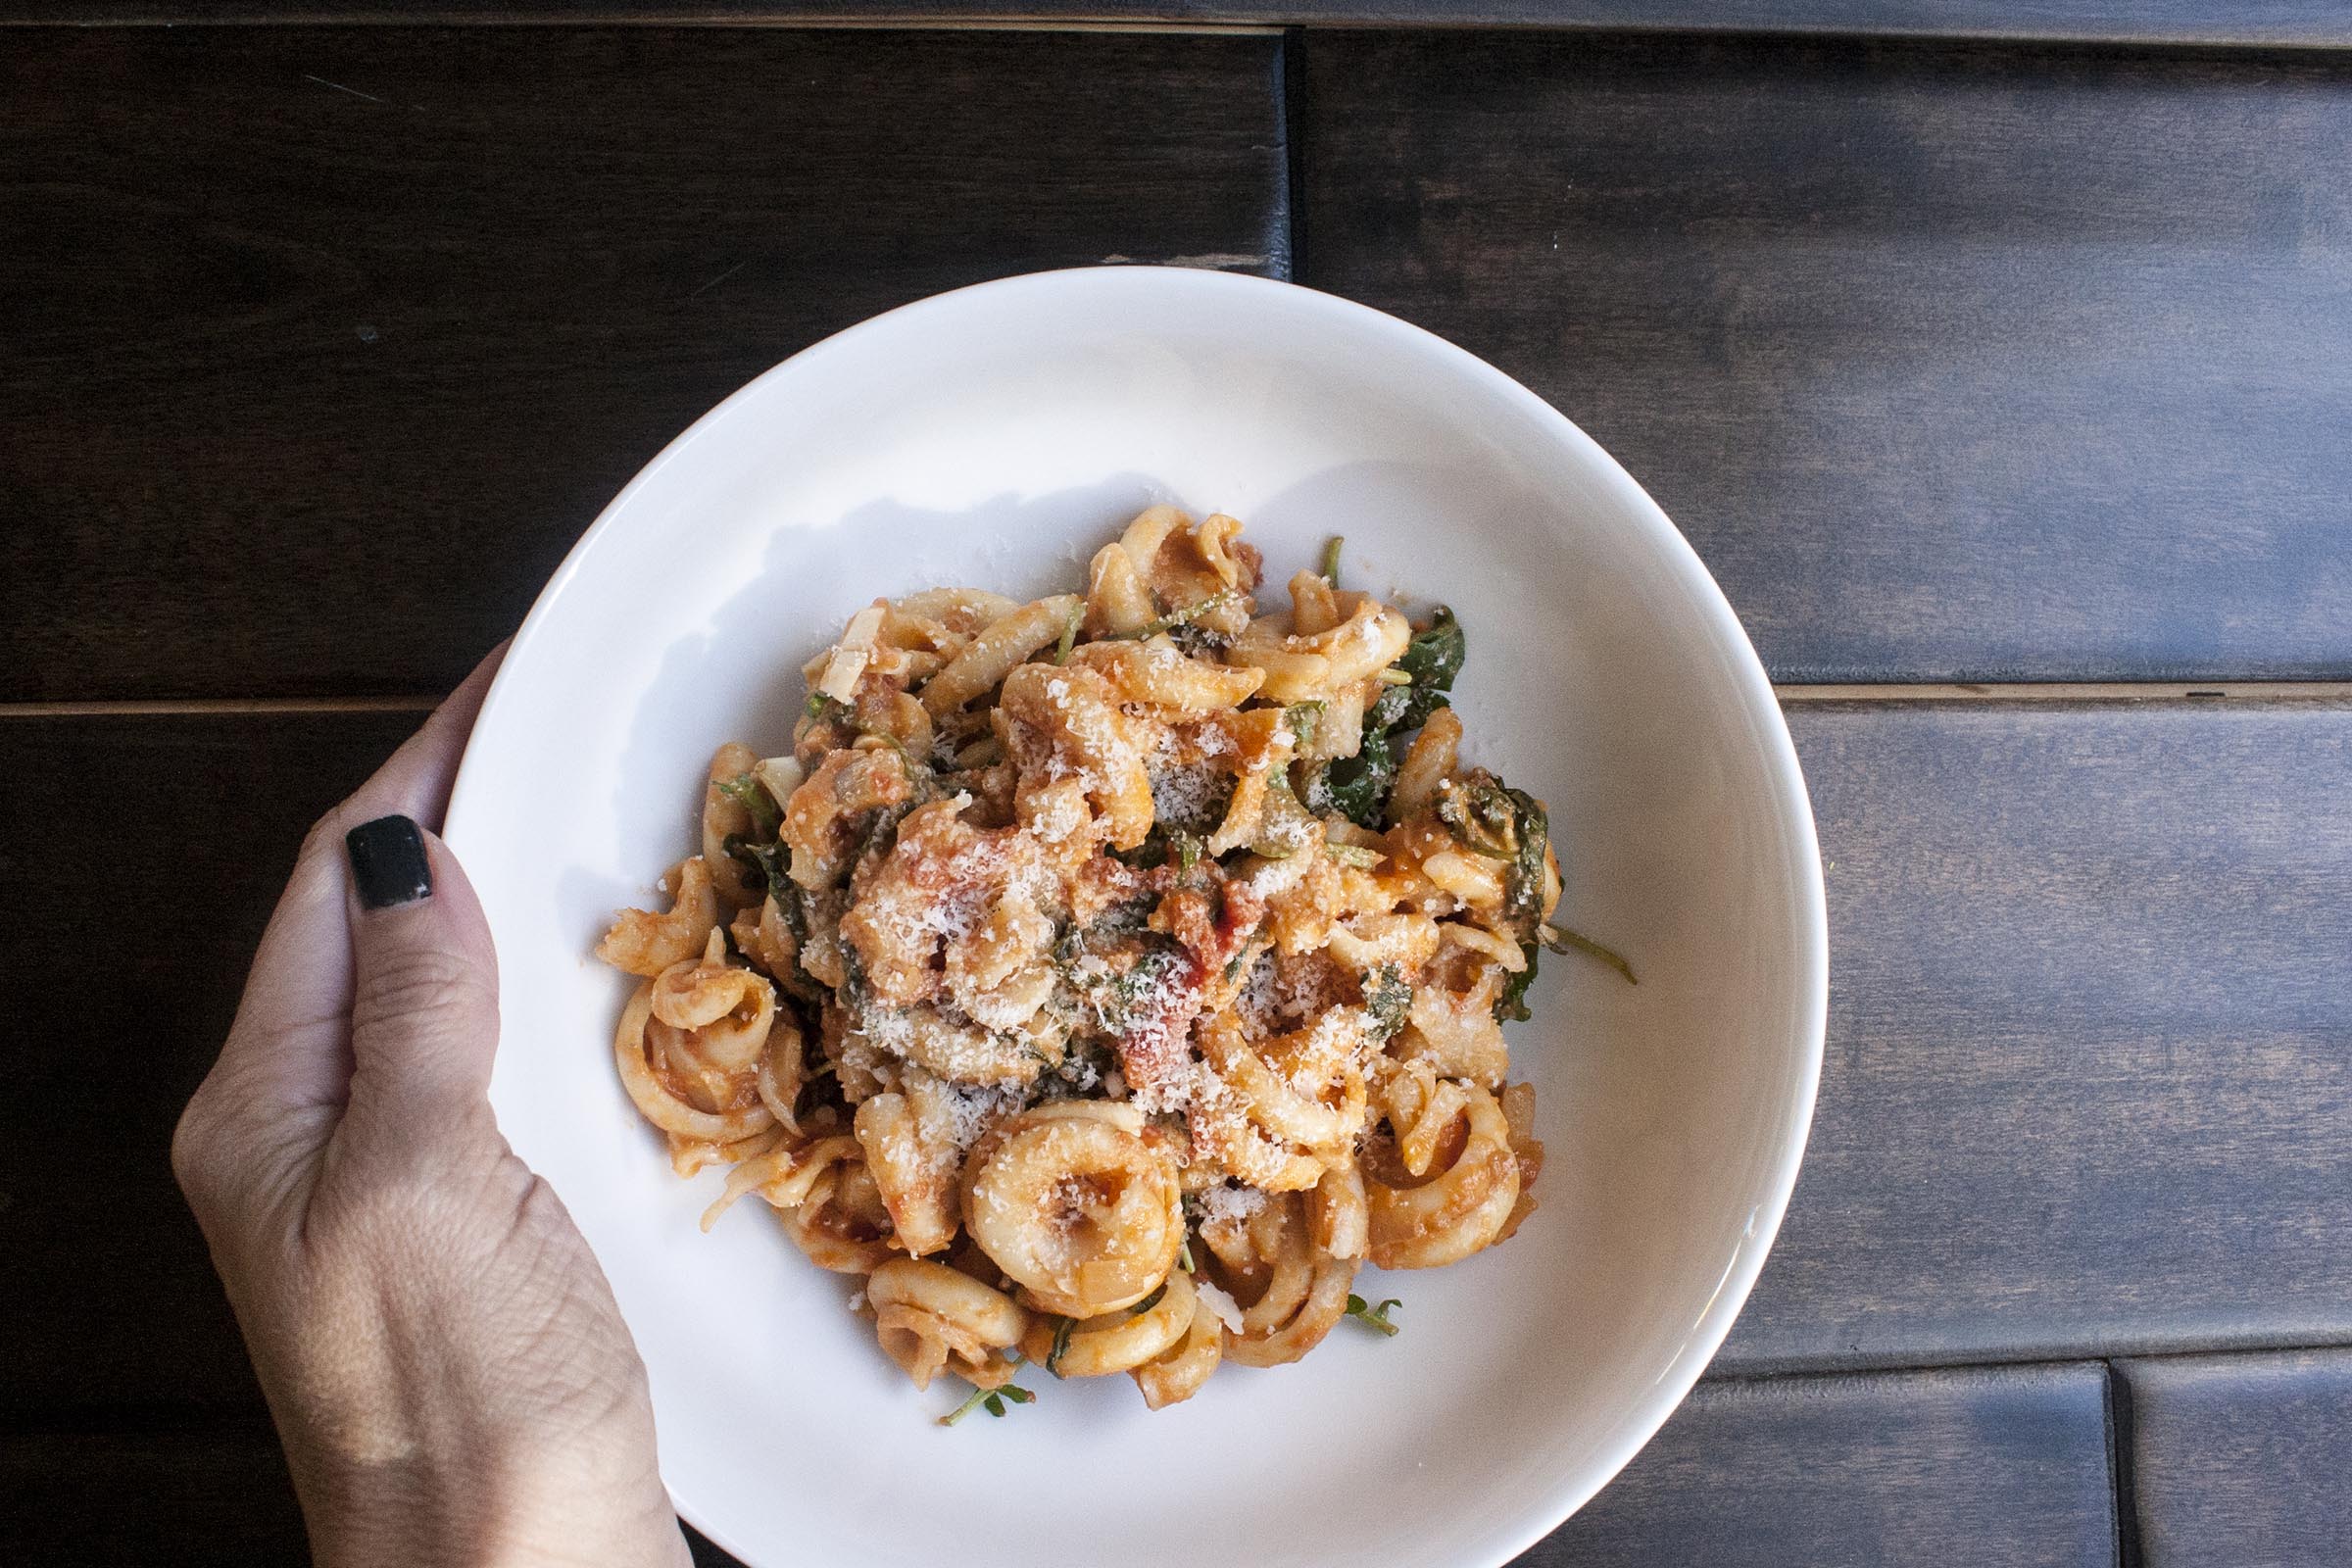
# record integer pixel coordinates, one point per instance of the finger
(424, 997)
(290, 1032)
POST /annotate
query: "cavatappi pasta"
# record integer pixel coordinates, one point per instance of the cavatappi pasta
(1106, 978)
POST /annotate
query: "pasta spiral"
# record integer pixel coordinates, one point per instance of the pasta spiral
(1077, 1205)
(1294, 1292)
(1468, 1194)
(932, 1319)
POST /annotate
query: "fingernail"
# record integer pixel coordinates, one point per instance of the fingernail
(387, 862)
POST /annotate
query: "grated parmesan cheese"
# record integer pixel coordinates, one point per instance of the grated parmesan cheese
(1230, 1205)
(1221, 1306)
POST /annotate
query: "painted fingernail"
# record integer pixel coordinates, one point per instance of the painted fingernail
(388, 863)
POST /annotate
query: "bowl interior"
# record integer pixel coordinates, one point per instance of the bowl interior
(996, 437)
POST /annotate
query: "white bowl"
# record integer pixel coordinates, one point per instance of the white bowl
(996, 436)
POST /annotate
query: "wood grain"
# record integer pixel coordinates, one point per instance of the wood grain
(2242, 1460)
(2086, 1089)
(324, 344)
(190, 1499)
(1954, 362)
(2306, 22)
(146, 853)
(1997, 1468)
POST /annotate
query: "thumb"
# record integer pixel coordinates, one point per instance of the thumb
(424, 978)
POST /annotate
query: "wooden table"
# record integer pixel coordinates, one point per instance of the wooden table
(1996, 355)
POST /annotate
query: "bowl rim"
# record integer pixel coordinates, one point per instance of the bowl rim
(1569, 1493)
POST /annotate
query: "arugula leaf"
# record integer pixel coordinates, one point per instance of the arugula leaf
(1179, 617)
(749, 793)
(1358, 786)
(990, 1399)
(1435, 653)
(1559, 939)
(1389, 999)
(1374, 1316)
(1481, 817)
(1330, 558)
(1162, 844)
(1119, 998)
(824, 709)
(1511, 1006)
(1062, 1343)
(1523, 885)
(771, 862)
(1149, 1301)
(1431, 659)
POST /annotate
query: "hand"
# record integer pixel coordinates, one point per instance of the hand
(445, 1362)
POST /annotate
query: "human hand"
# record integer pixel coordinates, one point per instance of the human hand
(444, 1359)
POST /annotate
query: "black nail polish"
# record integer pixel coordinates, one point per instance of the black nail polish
(387, 862)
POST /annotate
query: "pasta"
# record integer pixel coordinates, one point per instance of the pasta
(1106, 979)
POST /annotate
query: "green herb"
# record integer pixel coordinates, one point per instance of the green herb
(1184, 1257)
(1302, 717)
(1511, 1006)
(1389, 999)
(1429, 664)
(1523, 885)
(1149, 1301)
(1330, 558)
(1354, 854)
(993, 1401)
(1062, 1343)
(1188, 850)
(1483, 816)
(751, 794)
(1374, 1316)
(1559, 939)
(1356, 787)
(1123, 992)
(1435, 654)
(772, 862)
(1069, 636)
(1180, 617)
(833, 711)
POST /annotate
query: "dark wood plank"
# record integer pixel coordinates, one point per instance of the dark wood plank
(145, 854)
(2243, 21)
(1996, 1468)
(193, 1500)
(2086, 1087)
(2242, 1460)
(326, 343)
(1955, 364)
